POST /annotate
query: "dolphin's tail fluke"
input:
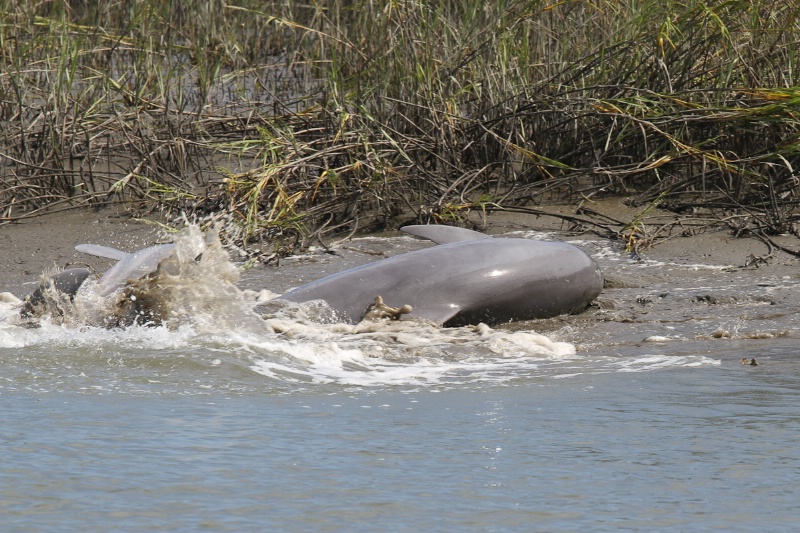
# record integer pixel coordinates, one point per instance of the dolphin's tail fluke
(129, 266)
(102, 251)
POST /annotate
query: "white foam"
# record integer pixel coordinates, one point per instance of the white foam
(646, 363)
(63, 336)
(398, 353)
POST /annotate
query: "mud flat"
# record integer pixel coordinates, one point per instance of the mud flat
(49, 241)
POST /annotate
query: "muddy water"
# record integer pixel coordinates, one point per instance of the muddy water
(636, 415)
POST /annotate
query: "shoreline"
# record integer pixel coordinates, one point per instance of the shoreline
(35, 245)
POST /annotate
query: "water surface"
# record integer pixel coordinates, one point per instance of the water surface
(636, 416)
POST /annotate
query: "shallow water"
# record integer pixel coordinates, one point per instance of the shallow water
(634, 417)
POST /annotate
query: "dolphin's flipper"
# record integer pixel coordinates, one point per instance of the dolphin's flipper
(444, 234)
(133, 266)
(102, 251)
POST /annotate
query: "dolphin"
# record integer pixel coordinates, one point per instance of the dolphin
(51, 291)
(129, 265)
(66, 282)
(468, 278)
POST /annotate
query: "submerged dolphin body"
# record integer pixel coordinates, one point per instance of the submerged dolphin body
(66, 282)
(56, 289)
(128, 266)
(469, 278)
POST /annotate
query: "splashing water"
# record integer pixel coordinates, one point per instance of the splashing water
(190, 315)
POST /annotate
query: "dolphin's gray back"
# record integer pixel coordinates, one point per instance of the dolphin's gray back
(486, 280)
(65, 283)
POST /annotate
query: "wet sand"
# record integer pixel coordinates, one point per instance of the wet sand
(33, 246)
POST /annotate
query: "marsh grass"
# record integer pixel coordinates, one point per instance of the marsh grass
(297, 121)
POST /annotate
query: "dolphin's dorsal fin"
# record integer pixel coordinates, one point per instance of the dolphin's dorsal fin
(444, 234)
(102, 251)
